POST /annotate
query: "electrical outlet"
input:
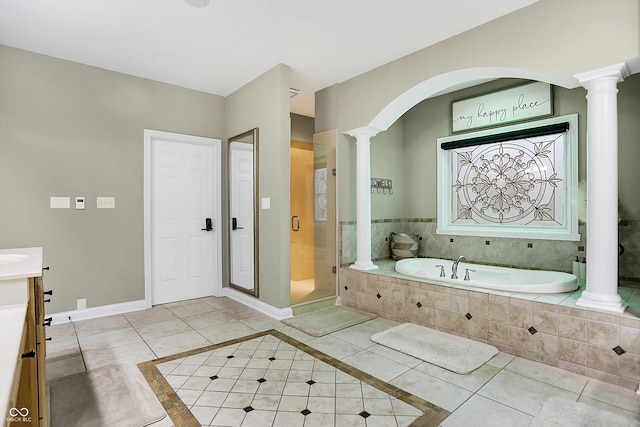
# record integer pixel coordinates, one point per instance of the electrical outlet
(106, 202)
(81, 304)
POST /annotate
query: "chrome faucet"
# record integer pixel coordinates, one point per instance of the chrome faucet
(454, 267)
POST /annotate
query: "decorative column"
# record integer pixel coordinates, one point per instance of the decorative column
(602, 188)
(363, 197)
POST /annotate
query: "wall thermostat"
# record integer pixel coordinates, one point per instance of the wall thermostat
(79, 202)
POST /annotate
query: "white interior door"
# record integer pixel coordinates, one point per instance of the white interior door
(184, 194)
(241, 202)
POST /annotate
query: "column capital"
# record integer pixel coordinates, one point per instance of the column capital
(619, 70)
(369, 131)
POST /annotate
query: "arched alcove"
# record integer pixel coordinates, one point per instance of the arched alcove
(456, 80)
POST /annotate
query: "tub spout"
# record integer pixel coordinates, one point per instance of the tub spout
(454, 267)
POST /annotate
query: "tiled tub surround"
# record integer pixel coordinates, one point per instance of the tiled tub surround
(551, 255)
(544, 328)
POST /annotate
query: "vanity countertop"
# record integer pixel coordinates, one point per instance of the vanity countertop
(20, 263)
(16, 266)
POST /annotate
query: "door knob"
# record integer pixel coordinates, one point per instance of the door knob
(208, 225)
(234, 224)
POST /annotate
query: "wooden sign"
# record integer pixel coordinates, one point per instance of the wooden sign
(515, 104)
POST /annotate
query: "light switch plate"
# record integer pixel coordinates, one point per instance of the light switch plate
(106, 203)
(59, 202)
(266, 203)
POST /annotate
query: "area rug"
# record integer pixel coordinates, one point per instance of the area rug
(566, 413)
(327, 320)
(450, 352)
(111, 396)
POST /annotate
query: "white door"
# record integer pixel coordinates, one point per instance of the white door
(184, 200)
(241, 202)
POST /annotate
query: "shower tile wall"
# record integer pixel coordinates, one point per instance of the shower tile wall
(526, 253)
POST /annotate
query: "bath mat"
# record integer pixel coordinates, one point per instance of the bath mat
(450, 352)
(110, 396)
(566, 413)
(327, 320)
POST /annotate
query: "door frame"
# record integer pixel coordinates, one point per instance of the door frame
(149, 135)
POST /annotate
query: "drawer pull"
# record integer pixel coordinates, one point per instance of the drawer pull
(48, 339)
(32, 353)
(47, 321)
(47, 300)
(45, 268)
(49, 292)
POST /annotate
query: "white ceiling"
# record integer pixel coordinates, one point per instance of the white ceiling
(221, 47)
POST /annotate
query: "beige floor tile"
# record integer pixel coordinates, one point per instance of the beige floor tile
(360, 334)
(173, 344)
(479, 411)
(101, 324)
(631, 414)
(613, 395)
(395, 355)
(222, 303)
(62, 332)
(129, 353)
(163, 328)
(261, 323)
(547, 374)
(191, 309)
(204, 320)
(376, 365)
(522, 393)
(472, 381)
(294, 333)
(109, 339)
(226, 331)
(64, 367)
(155, 314)
(334, 347)
(62, 349)
(432, 389)
(259, 417)
(501, 360)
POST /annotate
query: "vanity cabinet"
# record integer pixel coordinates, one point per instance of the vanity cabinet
(32, 383)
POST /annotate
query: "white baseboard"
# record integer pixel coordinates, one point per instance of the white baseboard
(256, 304)
(95, 312)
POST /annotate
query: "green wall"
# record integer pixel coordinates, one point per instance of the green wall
(264, 103)
(407, 151)
(68, 129)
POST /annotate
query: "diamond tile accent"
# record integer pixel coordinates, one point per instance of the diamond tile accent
(300, 371)
(346, 288)
(532, 330)
(418, 304)
(364, 414)
(378, 296)
(231, 356)
(619, 350)
(468, 316)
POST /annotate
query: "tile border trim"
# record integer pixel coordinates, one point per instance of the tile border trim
(182, 416)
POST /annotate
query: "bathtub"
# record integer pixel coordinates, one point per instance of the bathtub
(490, 277)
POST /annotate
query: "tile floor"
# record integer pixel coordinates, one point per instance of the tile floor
(507, 391)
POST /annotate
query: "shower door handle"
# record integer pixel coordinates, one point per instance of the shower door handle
(295, 223)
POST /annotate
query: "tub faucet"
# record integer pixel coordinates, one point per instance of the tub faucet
(454, 267)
